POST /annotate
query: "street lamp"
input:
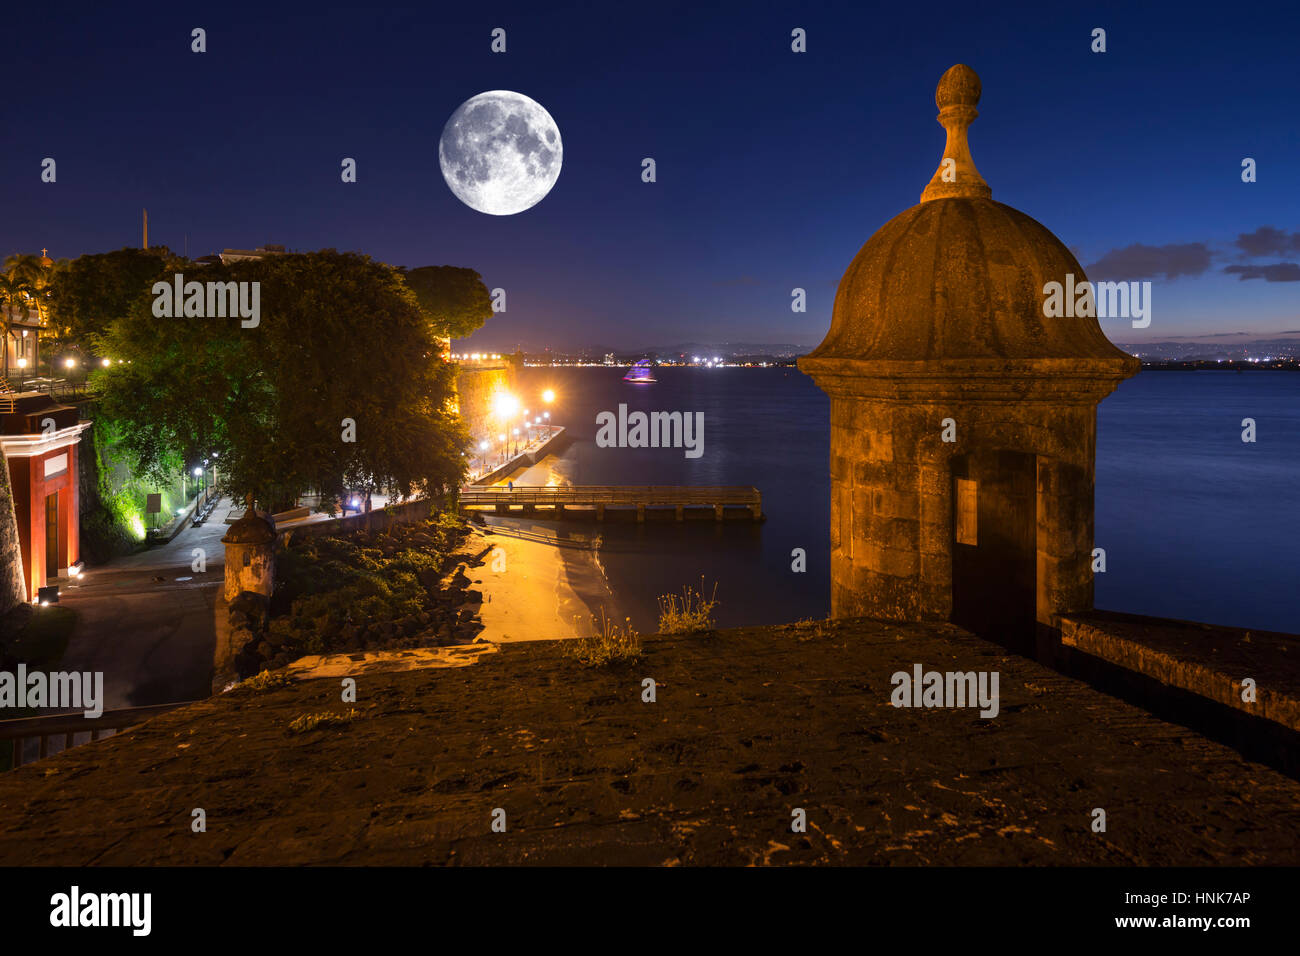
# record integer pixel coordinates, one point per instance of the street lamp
(547, 416)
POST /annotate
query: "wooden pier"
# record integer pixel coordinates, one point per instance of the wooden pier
(725, 500)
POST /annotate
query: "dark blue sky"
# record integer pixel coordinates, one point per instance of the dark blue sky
(773, 167)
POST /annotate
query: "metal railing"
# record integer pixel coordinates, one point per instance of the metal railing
(62, 730)
(627, 495)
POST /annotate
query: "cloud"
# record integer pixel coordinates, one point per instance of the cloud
(1147, 262)
(1279, 272)
(1268, 241)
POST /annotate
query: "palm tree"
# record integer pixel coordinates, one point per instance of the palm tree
(24, 285)
(15, 293)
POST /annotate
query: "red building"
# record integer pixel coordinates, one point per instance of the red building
(39, 440)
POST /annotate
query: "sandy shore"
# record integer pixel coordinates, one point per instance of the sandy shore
(537, 584)
(552, 585)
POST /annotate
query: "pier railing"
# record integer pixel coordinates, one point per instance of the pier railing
(600, 497)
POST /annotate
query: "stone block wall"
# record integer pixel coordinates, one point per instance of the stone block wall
(475, 387)
(12, 589)
(892, 501)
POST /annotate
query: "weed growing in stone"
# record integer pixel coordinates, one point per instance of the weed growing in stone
(611, 644)
(689, 612)
(267, 680)
(326, 719)
(810, 628)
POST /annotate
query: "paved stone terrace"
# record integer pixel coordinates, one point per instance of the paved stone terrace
(749, 724)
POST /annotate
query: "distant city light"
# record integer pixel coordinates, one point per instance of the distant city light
(548, 396)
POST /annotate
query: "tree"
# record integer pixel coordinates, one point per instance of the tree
(340, 337)
(14, 297)
(90, 292)
(455, 300)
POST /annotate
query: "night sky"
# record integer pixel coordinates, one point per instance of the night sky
(773, 167)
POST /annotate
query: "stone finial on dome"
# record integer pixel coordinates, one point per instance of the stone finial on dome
(956, 96)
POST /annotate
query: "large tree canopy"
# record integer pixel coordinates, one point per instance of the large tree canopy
(455, 300)
(340, 338)
(90, 292)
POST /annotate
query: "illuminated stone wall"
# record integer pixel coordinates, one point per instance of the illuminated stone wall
(12, 590)
(475, 387)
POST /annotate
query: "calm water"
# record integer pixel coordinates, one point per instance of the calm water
(1195, 523)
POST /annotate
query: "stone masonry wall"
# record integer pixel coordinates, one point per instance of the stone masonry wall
(891, 501)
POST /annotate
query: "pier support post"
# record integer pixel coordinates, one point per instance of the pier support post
(640, 514)
(717, 512)
(502, 509)
(681, 512)
(600, 512)
(559, 510)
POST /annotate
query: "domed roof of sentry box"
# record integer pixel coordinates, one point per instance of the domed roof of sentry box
(255, 527)
(959, 276)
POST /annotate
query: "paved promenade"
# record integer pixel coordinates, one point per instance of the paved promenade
(146, 620)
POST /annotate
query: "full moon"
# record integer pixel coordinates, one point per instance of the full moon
(500, 152)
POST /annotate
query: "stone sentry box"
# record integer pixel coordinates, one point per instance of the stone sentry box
(250, 554)
(940, 316)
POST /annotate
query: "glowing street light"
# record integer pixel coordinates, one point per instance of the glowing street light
(505, 405)
(548, 396)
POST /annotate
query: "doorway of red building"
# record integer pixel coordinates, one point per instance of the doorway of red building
(52, 536)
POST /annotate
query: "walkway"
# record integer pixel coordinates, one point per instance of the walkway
(147, 620)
